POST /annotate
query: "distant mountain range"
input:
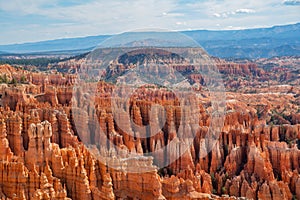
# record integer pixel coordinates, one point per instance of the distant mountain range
(248, 43)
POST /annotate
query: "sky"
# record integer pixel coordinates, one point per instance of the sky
(37, 20)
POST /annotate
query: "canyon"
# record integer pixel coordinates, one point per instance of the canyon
(49, 134)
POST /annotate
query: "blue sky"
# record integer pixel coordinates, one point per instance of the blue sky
(36, 20)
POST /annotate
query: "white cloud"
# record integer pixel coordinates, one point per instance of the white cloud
(173, 14)
(94, 11)
(217, 15)
(232, 13)
(245, 10)
(24, 7)
(180, 23)
(94, 17)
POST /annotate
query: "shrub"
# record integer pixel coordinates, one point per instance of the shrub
(224, 191)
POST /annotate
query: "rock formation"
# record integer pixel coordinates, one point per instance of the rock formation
(51, 137)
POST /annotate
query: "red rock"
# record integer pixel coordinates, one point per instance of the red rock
(252, 157)
(264, 192)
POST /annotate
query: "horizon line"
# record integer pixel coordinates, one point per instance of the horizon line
(184, 30)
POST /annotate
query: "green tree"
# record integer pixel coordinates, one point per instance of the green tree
(23, 79)
(5, 79)
(13, 81)
(224, 191)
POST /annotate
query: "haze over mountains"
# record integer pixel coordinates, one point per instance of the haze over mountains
(249, 43)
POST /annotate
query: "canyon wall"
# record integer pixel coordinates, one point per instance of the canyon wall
(43, 155)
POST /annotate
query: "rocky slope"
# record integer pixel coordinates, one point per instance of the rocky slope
(43, 156)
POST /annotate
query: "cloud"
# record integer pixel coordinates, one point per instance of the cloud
(236, 12)
(245, 10)
(180, 23)
(173, 14)
(90, 11)
(44, 19)
(217, 15)
(291, 2)
(24, 7)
